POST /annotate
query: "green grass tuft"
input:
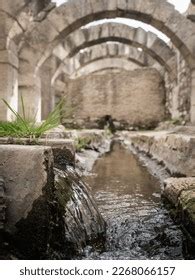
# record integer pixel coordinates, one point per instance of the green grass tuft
(22, 127)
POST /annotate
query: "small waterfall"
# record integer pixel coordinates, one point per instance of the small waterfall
(83, 224)
(63, 220)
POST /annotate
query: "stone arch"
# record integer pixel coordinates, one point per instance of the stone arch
(99, 52)
(15, 17)
(114, 32)
(105, 63)
(69, 17)
(117, 32)
(108, 31)
(72, 15)
(23, 13)
(8, 59)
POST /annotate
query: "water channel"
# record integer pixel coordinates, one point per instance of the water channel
(129, 198)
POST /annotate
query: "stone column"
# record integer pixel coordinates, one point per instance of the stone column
(30, 91)
(2, 203)
(193, 98)
(30, 82)
(8, 83)
(191, 12)
(47, 90)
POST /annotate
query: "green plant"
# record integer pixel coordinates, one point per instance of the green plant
(176, 121)
(82, 143)
(23, 127)
(108, 132)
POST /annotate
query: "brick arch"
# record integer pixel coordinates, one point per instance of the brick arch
(100, 52)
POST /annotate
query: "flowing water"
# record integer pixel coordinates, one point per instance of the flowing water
(129, 198)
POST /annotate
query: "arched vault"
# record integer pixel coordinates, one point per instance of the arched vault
(73, 65)
(153, 46)
(72, 15)
(37, 38)
(105, 63)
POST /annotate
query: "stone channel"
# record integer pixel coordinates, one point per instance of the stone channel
(139, 226)
(102, 197)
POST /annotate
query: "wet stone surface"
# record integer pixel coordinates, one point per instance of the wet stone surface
(129, 198)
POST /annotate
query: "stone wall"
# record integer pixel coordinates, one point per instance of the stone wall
(2, 203)
(135, 97)
(40, 220)
(175, 151)
(180, 192)
(178, 91)
(8, 82)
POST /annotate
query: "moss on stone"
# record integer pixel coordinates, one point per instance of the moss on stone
(63, 191)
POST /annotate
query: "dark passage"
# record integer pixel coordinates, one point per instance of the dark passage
(128, 196)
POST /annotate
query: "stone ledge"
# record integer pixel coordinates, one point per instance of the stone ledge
(26, 171)
(37, 198)
(2, 203)
(65, 146)
(175, 151)
(173, 188)
(180, 192)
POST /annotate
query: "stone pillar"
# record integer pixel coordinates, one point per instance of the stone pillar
(8, 83)
(193, 98)
(30, 91)
(47, 90)
(191, 12)
(2, 203)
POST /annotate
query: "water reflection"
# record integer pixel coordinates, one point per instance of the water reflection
(128, 196)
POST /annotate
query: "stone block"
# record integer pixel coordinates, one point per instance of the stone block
(30, 55)
(122, 4)
(173, 188)
(140, 36)
(187, 209)
(39, 37)
(27, 171)
(58, 19)
(8, 90)
(63, 151)
(58, 145)
(60, 52)
(151, 38)
(175, 151)
(9, 58)
(45, 204)
(2, 203)
(16, 32)
(3, 43)
(149, 7)
(78, 38)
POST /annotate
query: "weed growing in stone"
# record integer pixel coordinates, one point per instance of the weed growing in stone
(82, 143)
(23, 127)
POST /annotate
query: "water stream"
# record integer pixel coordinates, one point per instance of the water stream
(129, 198)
